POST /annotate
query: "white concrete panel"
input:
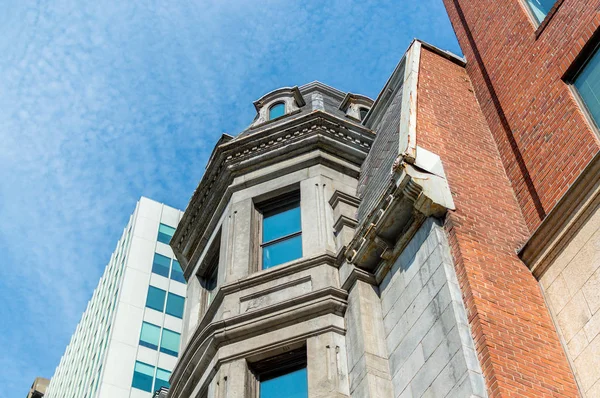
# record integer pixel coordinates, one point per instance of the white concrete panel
(177, 288)
(159, 281)
(147, 355)
(110, 391)
(135, 393)
(146, 228)
(127, 324)
(134, 288)
(164, 249)
(118, 368)
(141, 254)
(170, 216)
(166, 361)
(153, 316)
(175, 324)
(149, 209)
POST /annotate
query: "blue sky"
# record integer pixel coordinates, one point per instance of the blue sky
(104, 101)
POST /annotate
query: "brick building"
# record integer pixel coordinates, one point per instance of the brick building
(440, 241)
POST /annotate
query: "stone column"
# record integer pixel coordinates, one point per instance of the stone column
(367, 353)
(231, 381)
(327, 366)
(238, 241)
(317, 216)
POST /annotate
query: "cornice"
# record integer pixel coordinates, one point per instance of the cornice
(294, 91)
(575, 207)
(254, 323)
(316, 130)
(339, 196)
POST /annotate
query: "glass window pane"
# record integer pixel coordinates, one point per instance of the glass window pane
(290, 385)
(281, 224)
(162, 379)
(165, 233)
(175, 305)
(169, 344)
(149, 336)
(142, 376)
(276, 110)
(156, 298)
(161, 265)
(177, 272)
(588, 86)
(282, 252)
(540, 8)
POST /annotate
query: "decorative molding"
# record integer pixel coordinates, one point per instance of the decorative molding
(244, 326)
(564, 220)
(317, 130)
(339, 196)
(280, 92)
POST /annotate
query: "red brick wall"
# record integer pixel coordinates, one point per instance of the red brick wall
(515, 338)
(542, 136)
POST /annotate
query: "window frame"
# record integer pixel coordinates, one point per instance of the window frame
(591, 48)
(277, 366)
(272, 106)
(279, 201)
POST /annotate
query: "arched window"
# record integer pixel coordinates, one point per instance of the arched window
(363, 112)
(276, 110)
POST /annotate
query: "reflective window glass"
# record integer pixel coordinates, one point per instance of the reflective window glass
(161, 265)
(150, 335)
(175, 305)
(281, 223)
(587, 83)
(282, 252)
(540, 8)
(156, 298)
(162, 379)
(177, 272)
(277, 110)
(281, 233)
(165, 233)
(142, 376)
(290, 385)
(169, 344)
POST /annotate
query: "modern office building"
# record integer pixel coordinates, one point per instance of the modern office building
(127, 341)
(440, 241)
(38, 388)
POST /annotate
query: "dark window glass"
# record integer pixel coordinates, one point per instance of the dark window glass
(290, 385)
(211, 282)
(177, 272)
(276, 111)
(165, 233)
(175, 305)
(587, 83)
(142, 376)
(156, 299)
(540, 8)
(161, 265)
(162, 379)
(363, 113)
(150, 335)
(169, 344)
(281, 234)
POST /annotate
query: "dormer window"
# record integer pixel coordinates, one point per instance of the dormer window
(363, 112)
(276, 110)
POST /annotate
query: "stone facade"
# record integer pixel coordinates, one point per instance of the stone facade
(409, 283)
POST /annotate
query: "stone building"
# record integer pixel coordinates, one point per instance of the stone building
(440, 241)
(38, 388)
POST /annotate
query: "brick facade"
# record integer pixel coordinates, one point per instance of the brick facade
(517, 70)
(515, 338)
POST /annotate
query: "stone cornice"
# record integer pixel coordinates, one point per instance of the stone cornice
(293, 91)
(411, 197)
(339, 196)
(316, 130)
(564, 220)
(259, 278)
(254, 323)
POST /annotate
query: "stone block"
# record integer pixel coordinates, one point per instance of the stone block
(574, 316)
